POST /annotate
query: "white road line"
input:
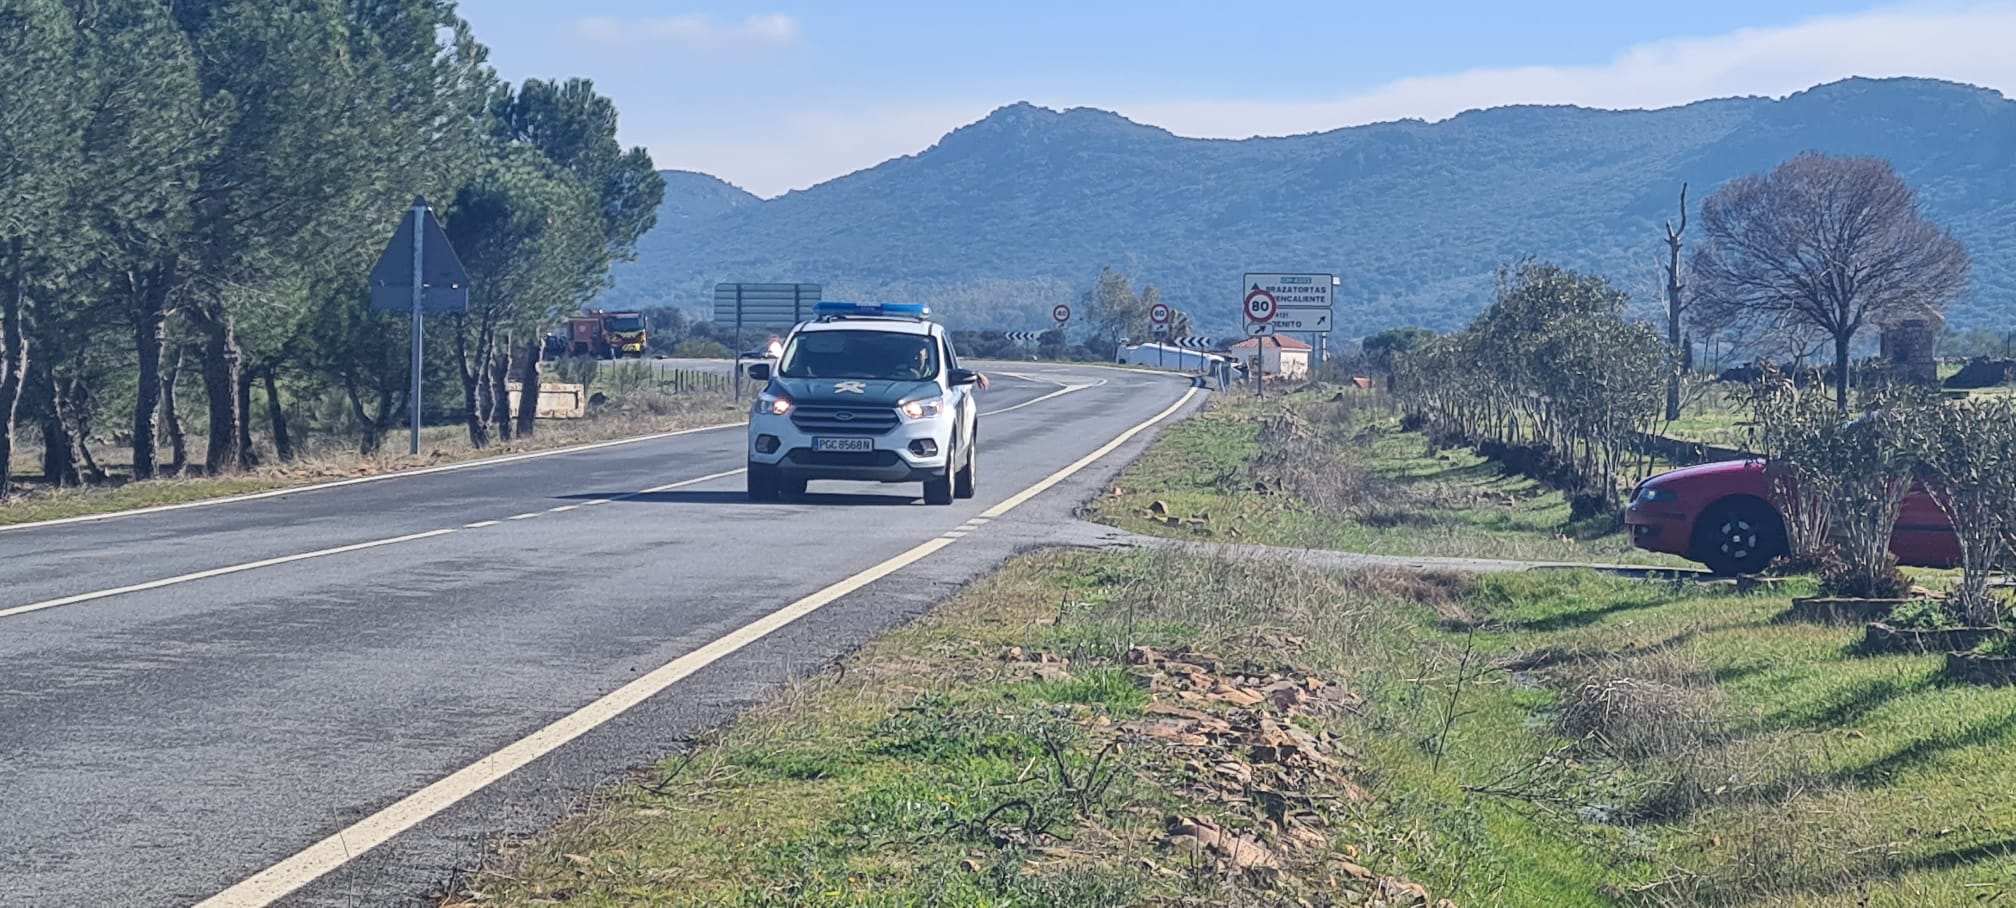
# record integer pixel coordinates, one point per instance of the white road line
(1081, 463)
(562, 509)
(377, 477)
(590, 504)
(339, 550)
(1030, 403)
(724, 474)
(275, 882)
(215, 572)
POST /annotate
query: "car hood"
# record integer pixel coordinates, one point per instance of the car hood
(870, 392)
(1719, 471)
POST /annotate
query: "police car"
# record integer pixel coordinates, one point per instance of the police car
(865, 392)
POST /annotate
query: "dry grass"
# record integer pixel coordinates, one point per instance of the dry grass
(321, 460)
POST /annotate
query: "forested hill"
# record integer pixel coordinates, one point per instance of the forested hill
(1009, 214)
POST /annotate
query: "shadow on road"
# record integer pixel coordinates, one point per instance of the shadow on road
(741, 497)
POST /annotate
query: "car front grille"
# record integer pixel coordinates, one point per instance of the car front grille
(841, 419)
(844, 458)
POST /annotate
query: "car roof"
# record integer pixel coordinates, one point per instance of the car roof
(891, 325)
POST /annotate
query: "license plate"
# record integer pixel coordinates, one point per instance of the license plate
(843, 444)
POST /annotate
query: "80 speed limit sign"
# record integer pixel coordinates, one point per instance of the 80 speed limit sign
(1259, 306)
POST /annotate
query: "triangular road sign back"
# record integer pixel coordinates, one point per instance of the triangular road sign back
(445, 282)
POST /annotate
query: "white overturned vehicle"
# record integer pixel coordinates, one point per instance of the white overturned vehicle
(865, 392)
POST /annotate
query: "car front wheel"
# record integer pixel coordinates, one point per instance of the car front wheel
(963, 481)
(1738, 537)
(764, 483)
(938, 489)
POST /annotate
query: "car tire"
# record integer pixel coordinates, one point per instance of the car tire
(938, 489)
(764, 483)
(963, 481)
(1739, 536)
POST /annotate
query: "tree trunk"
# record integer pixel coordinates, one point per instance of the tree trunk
(248, 454)
(149, 333)
(1841, 372)
(471, 374)
(283, 444)
(150, 337)
(1673, 343)
(500, 393)
(373, 436)
(171, 417)
(528, 388)
(13, 360)
(1674, 305)
(221, 363)
(59, 451)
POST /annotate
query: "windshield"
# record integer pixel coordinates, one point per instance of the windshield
(877, 355)
(626, 323)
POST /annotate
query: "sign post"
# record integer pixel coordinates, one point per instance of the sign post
(1159, 314)
(1275, 303)
(761, 306)
(1260, 309)
(419, 272)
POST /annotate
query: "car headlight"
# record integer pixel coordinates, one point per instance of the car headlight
(922, 409)
(773, 404)
(1650, 494)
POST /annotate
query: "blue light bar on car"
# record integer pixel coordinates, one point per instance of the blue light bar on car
(836, 309)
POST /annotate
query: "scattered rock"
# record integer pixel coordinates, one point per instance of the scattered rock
(1164, 709)
(1202, 835)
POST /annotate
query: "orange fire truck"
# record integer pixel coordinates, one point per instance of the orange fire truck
(606, 335)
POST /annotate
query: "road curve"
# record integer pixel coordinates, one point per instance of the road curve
(190, 697)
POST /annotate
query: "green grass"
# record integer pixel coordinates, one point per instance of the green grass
(1747, 762)
(1386, 493)
(931, 772)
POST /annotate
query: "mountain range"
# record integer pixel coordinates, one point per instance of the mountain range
(1002, 218)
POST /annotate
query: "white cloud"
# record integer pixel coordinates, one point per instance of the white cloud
(1964, 43)
(698, 32)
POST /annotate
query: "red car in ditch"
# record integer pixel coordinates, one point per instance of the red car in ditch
(1724, 515)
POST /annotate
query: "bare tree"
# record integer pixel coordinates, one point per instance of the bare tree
(1676, 306)
(1834, 243)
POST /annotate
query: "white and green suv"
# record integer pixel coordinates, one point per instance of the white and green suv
(865, 392)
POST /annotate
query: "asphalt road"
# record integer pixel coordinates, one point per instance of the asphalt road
(189, 697)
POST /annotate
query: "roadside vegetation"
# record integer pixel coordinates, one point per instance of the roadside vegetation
(196, 194)
(1334, 468)
(1146, 728)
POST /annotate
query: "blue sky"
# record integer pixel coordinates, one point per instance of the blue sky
(782, 94)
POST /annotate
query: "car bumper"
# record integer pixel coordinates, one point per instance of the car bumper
(1654, 530)
(898, 455)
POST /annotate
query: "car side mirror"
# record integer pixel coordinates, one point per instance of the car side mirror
(965, 377)
(759, 371)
